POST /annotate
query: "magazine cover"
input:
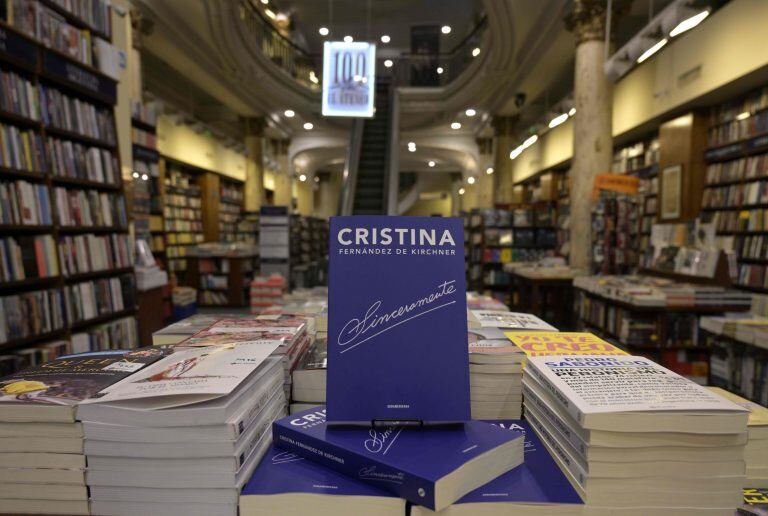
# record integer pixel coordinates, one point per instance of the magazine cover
(193, 374)
(542, 343)
(70, 379)
(397, 326)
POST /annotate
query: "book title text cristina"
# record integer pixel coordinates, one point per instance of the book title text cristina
(428, 241)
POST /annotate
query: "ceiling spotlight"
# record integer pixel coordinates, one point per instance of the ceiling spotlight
(572, 111)
(489, 170)
(348, 39)
(388, 63)
(471, 180)
(303, 177)
(265, 2)
(445, 29)
(269, 13)
(135, 175)
(470, 112)
(455, 125)
(323, 31)
(385, 38)
(440, 70)
(431, 164)
(462, 191)
(476, 52)
(655, 48)
(308, 126)
(144, 177)
(412, 146)
(289, 113)
(559, 119)
(317, 179)
(313, 77)
(688, 24)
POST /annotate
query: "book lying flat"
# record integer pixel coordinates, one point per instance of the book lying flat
(644, 396)
(50, 392)
(286, 483)
(43, 460)
(432, 466)
(507, 320)
(537, 485)
(491, 346)
(180, 330)
(537, 344)
(397, 349)
(37, 506)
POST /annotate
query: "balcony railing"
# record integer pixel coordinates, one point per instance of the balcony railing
(286, 54)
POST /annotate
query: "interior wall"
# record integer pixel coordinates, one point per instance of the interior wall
(428, 207)
(180, 142)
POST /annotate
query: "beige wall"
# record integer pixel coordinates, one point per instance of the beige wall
(182, 143)
(725, 47)
(426, 208)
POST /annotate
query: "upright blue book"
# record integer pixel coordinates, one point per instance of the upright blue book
(285, 483)
(397, 321)
(538, 486)
(430, 466)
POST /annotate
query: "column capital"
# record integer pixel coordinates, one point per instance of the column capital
(504, 125)
(140, 25)
(253, 125)
(587, 18)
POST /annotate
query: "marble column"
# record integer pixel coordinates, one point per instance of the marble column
(503, 179)
(328, 195)
(254, 164)
(592, 140)
(305, 197)
(283, 176)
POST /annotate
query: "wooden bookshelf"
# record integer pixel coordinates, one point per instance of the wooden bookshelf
(182, 206)
(58, 74)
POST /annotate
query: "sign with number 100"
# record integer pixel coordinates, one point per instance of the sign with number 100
(349, 78)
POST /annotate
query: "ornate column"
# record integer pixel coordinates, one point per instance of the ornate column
(253, 128)
(592, 140)
(503, 127)
(283, 176)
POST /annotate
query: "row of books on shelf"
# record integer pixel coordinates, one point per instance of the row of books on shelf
(751, 103)
(175, 212)
(496, 278)
(752, 246)
(95, 13)
(184, 238)
(27, 258)
(740, 369)
(21, 149)
(78, 161)
(90, 208)
(752, 193)
(738, 129)
(231, 193)
(752, 167)
(183, 225)
(24, 203)
(90, 253)
(182, 201)
(144, 138)
(173, 251)
(740, 221)
(636, 156)
(230, 209)
(212, 297)
(18, 95)
(145, 112)
(77, 116)
(91, 299)
(751, 275)
(118, 334)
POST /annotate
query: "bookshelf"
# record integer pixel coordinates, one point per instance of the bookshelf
(63, 199)
(735, 194)
(230, 209)
(182, 211)
(146, 202)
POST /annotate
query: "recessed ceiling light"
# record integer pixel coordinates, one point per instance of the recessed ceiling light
(385, 38)
(559, 119)
(289, 113)
(471, 180)
(144, 177)
(445, 29)
(302, 177)
(317, 179)
(476, 52)
(439, 70)
(412, 146)
(455, 125)
(572, 111)
(135, 175)
(348, 39)
(308, 126)
(655, 48)
(461, 191)
(269, 13)
(323, 31)
(489, 170)
(388, 63)
(470, 112)
(689, 23)
(431, 163)
(265, 2)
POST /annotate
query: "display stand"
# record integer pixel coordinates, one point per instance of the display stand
(545, 295)
(231, 293)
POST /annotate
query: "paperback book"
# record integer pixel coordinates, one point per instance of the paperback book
(543, 343)
(397, 349)
(507, 320)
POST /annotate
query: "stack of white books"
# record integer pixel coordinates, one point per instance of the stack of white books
(635, 438)
(309, 378)
(496, 364)
(756, 452)
(42, 464)
(183, 435)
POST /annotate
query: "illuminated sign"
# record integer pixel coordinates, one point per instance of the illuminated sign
(349, 78)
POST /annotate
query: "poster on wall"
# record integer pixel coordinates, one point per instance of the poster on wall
(397, 321)
(349, 79)
(671, 186)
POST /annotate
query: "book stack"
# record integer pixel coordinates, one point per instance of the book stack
(309, 379)
(184, 329)
(636, 438)
(756, 452)
(496, 364)
(42, 464)
(183, 435)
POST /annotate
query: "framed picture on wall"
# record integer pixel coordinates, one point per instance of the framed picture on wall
(671, 198)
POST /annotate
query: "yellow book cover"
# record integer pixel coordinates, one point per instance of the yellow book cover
(543, 343)
(758, 414)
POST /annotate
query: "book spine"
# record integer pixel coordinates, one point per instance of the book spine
(271, 388)
(362, 467)
(561, 399)
(553, 418)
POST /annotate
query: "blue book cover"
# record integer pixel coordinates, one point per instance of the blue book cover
(538, 481)
(432, 466)
(397, 321)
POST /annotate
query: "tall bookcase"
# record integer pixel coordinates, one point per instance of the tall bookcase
(182, 205)
(63, 204)
(231, 197)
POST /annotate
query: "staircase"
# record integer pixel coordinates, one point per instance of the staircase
(371, 191)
